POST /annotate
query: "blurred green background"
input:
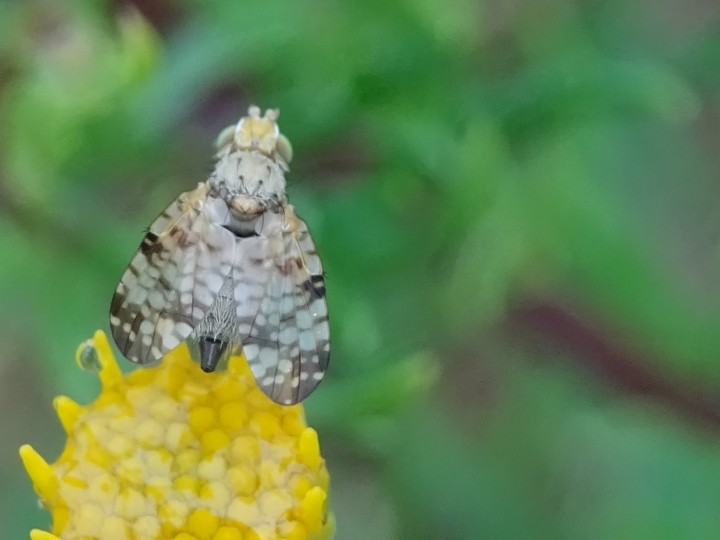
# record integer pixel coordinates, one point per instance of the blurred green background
(518, 208)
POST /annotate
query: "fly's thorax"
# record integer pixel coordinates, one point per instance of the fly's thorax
(243, 214)
(249, 173)
(246, 206)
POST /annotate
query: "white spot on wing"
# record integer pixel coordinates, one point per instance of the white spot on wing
(183, 328)
(268, 356)
(170, 342)
(251, 350)
(156, 300)
(146, 327)
(285, 366)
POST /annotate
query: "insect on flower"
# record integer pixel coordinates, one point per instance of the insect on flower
(230, 265)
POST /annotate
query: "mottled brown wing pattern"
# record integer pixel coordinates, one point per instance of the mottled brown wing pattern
(172, 280)
(285, 333)
(194, 279)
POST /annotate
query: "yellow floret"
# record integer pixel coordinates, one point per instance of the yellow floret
(172, 453)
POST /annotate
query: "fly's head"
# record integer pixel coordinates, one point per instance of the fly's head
(258, 134)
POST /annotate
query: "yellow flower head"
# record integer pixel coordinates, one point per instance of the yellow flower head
(173, 453)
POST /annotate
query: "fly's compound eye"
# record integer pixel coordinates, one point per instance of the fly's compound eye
(284, 148)
(226, 137)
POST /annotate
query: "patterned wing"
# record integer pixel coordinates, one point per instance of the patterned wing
(282, 311)
(173, 279)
